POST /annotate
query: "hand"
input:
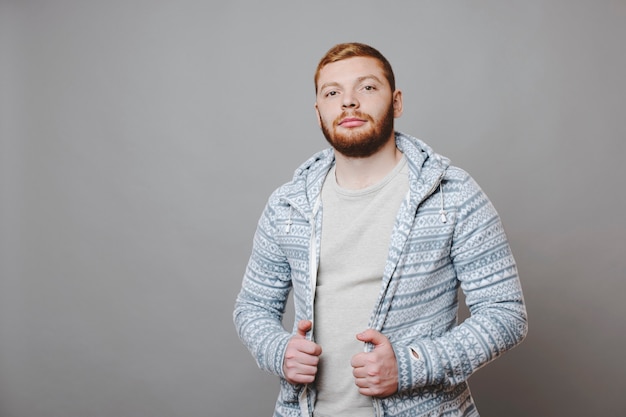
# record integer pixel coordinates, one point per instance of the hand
(301, 356)
(375, 372)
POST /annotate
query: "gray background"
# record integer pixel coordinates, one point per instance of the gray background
(140, 141)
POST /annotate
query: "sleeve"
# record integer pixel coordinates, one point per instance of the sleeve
(261, 302)
(487, 273)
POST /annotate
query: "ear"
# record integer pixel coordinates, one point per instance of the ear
(397, 103)
(317, 112)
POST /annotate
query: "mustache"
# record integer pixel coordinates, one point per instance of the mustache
(349, 114)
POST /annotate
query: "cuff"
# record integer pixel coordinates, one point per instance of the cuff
(416, 366)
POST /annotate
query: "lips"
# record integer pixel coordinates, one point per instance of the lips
(352, 122)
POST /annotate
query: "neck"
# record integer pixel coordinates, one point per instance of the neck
(359, 173)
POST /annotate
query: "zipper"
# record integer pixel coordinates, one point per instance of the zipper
(303, 400)
(443, 219)
(438, 184)
(378, 412)
(304, 395)
(313, 266)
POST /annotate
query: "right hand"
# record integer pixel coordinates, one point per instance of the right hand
(301, 356)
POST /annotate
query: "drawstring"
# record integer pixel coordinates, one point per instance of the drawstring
(442, 212)
(289, 222)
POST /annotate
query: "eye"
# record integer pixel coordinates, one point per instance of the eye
(331, 93)
(369, 88)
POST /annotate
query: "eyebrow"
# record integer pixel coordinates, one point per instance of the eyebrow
(358, 81)
(366, 77)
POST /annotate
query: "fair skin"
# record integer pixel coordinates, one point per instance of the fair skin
(345, 88)
(358, 85)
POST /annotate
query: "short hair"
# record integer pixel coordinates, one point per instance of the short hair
(343, 51)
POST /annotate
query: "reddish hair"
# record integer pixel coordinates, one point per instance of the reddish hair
(354, 49)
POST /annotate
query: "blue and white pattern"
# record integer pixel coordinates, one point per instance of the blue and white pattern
(447, 235)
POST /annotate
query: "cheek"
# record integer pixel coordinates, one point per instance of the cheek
(325, 117)
(319, 118)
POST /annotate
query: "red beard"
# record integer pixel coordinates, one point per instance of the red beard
(364, 143)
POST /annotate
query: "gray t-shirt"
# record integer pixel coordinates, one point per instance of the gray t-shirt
(356, 231)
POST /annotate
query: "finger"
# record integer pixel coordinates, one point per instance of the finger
(303, 327)
(298, 345)
(359, 374)
(295, 368)
(365, 386)
(358, 360)
(310, 357)
(301, 374)
(360, 382)
(372, 336)
(303, 378)
(314, 349)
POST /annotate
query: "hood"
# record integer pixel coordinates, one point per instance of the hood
(425, 166)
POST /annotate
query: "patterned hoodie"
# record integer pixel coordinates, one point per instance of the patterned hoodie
(447, 235)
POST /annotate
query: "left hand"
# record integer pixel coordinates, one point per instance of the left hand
(375, 372)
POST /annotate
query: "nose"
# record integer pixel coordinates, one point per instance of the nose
(349, 101)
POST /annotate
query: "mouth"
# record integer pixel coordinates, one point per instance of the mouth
(352, 122)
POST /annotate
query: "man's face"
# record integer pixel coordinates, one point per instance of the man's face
(356, 107)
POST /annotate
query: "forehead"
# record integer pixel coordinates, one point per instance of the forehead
(350, 69)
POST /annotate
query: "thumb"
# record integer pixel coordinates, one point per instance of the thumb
(372, 336)
(303, 327)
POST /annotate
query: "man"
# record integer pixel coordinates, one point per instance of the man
(375, 236)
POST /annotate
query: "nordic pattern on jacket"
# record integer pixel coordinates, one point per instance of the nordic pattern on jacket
(447, 234)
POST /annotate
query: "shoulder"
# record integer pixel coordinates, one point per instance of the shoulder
(459, 180)
(308, 174)
(455, 173)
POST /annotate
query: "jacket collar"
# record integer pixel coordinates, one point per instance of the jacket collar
(426, 169)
